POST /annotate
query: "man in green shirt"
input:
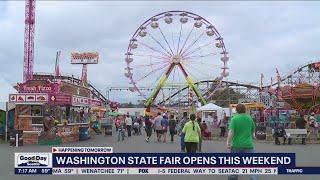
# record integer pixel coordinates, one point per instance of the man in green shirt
(192, 133)
(241, 135)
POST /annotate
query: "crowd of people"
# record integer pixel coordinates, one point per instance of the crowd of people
(127, 125)
(189, 129)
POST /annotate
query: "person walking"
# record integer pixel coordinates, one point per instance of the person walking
(172, 126)
(117, 123)
(158, 126)
(121, 129)
(128, 122)
(140, 120)
(148, 126)
(181, 124)
(192, 133)
(164, 124)
(241, 135)
(223, 125)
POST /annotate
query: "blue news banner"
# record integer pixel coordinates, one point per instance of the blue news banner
(214, 163)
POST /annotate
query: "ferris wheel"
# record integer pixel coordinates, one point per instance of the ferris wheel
(171, 48)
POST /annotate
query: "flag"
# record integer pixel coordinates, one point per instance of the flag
(261, 80)
(57, 68)
(278, 75)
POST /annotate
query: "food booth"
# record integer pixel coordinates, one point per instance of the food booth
(52, 112)
(211, 114)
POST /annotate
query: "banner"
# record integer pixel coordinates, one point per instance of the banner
(152, 160)
(102, 160)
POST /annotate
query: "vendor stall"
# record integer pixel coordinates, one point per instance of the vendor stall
(211, 114)
(52, 112)
(254, 109)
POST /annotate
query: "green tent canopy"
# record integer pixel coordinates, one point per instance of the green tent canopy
(114, 114)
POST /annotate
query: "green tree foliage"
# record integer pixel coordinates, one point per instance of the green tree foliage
(226, 96)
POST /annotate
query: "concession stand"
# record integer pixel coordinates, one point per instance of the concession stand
(53, 111)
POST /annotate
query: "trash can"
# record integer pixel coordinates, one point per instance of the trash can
(108, 130)
(261, 132)
(83, 133)
(15, 137)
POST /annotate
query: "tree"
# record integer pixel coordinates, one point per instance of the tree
(226, 97)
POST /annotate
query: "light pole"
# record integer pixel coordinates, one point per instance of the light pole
(108, 93)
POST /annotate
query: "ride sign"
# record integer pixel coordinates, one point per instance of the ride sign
(85, 58)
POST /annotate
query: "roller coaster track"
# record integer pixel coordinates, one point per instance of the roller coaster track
(291, 74)
(229, 83)
(246, 85)
(74, 80)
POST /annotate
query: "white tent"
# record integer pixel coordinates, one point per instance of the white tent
(207, 116)
(209, 107)
(5, 90)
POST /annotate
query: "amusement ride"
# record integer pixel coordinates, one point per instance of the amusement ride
(171, 48)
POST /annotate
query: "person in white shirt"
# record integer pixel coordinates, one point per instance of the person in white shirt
(128, 122)
(158, 126)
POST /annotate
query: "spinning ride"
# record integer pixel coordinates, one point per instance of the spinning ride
(301, 88)
(175, 47)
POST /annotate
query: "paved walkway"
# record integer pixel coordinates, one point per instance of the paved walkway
(307, 155)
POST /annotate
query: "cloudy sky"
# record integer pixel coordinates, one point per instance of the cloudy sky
(259, 36)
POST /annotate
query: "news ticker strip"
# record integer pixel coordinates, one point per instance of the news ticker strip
(148, 171)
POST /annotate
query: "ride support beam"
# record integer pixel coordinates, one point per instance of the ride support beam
(192, 86)
(159, 86)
